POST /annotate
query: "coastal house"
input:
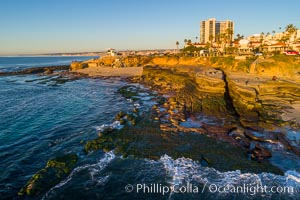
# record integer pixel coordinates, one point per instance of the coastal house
(198, 45)
(279, 46)
(111, 52)
(255, 38)
(255, 45)
(296, 46)
(244, 46)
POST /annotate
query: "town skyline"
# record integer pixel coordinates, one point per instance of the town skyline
(34, 27)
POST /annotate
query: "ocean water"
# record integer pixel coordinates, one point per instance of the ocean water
(11, 63)
(40, 121)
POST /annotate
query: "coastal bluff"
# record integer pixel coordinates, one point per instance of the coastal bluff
(270, 94)
(278, 65)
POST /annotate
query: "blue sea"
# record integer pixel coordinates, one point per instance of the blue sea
(11, 63)
(39, 121)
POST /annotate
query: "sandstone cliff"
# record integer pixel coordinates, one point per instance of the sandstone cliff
(278, 65)
(257, 99)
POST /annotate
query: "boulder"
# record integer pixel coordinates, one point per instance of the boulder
(260, 153)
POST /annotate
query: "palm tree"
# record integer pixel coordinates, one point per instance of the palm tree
(291, 29)
(196, 39)
(211, 38)
(229, 33)
(273, 32)
(218, 40)
(223, 39)
(239, 37)
(177, 43)
(284, 39)
(185, 43)
(189, 41)
(262, 34)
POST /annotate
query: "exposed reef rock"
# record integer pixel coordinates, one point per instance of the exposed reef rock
(36, 70)
(148, 140)
(54, 172)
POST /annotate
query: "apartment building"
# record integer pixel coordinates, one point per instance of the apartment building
(211, 28)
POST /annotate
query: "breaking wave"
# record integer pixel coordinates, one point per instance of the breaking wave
(94, 171)
(184, 170)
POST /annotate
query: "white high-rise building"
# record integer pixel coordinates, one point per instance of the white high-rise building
(211, 28)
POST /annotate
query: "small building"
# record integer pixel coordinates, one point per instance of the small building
(296, 46)
(279, 46)
(255, 44)
(245, 46)
(111, 52)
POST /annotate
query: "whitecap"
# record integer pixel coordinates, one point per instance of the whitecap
(184, 170)
(93, 169)
(136, 105)
(292, 176)
(114, 125)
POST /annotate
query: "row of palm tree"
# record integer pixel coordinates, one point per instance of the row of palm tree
(289, 30)
(187, 41)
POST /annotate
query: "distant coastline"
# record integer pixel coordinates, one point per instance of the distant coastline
(53, 55)
(93, 53)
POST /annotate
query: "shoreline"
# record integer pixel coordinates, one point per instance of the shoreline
(164, 123)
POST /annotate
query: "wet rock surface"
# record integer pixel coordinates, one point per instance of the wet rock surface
(169, 128)
(50, 75)
(36, 70)
(54, 172)
(260, 153)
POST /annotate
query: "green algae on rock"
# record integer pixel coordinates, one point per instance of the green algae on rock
(55, 171)
(128, 92)
(147, 140)
(126, 119)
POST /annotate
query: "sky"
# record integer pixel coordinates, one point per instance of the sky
(51, 26)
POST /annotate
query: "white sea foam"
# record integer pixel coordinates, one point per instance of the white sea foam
(185, 170)
(114, 125)
(136, 105)
(93, 169)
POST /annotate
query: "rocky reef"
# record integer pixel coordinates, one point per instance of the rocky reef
(55, 171)
(36, 70)
(147, 139)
